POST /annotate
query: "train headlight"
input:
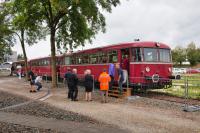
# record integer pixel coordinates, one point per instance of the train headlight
(170, 69)
(147, 69)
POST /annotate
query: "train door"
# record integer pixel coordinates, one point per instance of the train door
(124, 59)
(125, 62)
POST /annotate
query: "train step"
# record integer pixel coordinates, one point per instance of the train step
(116, 93)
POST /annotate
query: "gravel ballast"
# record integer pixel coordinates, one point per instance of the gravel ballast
(15, 128)
(7, 99)
(40, 109)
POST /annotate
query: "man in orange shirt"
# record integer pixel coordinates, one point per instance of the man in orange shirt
(104, 80)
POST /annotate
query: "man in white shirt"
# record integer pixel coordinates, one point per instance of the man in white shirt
(38, 82)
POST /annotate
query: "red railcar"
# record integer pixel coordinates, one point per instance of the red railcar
(149, 62)
(42, 66)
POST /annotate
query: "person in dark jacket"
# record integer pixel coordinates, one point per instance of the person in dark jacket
(73, 82)
(31, 76)
(88, 83)
(66, 78)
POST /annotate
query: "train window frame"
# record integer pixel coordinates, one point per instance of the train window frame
(110, 53)
(135, 57)
(103, 57)
(79, 59)
(85, 59)
(73, 60)
(150, 57)
(69, 60)
(92, 57)
(169, 55)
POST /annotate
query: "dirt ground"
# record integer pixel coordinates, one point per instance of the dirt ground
(141, 115)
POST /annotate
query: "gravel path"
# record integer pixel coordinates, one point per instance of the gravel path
(16, 128)
(40, 109)
(141, 115)
(10, 99)
(43, 118)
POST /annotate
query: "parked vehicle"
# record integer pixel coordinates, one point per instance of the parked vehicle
(192, 71)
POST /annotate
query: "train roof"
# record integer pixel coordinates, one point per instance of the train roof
(125, 45)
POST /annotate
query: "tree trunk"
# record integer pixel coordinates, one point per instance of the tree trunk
(24, 53)
(53, 59)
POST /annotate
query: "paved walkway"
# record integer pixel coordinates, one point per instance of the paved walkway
(57, 125)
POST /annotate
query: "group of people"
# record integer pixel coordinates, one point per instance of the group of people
(105, 79)
(72, 82)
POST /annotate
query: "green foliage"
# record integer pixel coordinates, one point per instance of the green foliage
(74, 21)
(6, 40)
(23, 22)
(20, 57)
(179, 55)
(192, 54)
(69, 22)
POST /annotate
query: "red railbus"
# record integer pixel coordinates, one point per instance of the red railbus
(42, 66)
(149, 63)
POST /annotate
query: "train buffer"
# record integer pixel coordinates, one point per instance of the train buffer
(115, 92)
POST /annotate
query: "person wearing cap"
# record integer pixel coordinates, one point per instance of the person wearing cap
(66, 79)
(104, 80)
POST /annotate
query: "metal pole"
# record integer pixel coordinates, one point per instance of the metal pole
(57, 78)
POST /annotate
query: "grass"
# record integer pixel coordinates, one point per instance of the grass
(178, 87)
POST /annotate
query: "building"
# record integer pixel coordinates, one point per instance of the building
(11, 58)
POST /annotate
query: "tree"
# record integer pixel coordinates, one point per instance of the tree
(71, 22)
(20, 57)
(179, 55)
(6, 41)
(192, 53)
(22, 22)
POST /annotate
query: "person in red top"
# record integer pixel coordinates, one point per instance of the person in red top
(104, 80)
(125, 63)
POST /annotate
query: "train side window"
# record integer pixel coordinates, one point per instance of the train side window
(136, 55)
(103, 58)
(94, 59)
(67, 60)
(112, 55)
(73, 60)
(79, 59)
(85, 59)
(47, 62)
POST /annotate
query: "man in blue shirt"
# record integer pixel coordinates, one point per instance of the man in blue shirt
(111, 72)
(120, 78)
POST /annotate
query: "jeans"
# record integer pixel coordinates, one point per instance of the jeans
(120, 87)
(111, 82)
(39, 85)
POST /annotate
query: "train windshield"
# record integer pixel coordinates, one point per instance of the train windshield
(150, 54)
(165, 55)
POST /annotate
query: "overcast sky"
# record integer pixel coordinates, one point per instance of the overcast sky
(174, 22)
